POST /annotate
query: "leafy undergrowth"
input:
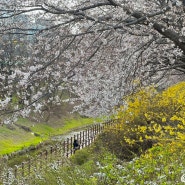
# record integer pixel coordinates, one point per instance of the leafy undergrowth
(163, 164)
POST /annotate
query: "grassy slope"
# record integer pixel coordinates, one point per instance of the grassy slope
(60, 122)
(16, 139)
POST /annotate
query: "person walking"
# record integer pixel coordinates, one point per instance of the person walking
(76, 145)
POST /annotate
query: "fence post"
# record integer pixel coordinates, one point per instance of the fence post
(51, 150)
(99, 128)
(64, 147)
(96, 129)
(29, 167)
(67, 147)
(15, 171)
(80, 139)
(56, 151)
(64, 152)
(51, 153)
(72, 145)
(46, 156)
(77, 135)
(102, 128)
(7, 175)
(22, 167)
(85, 137)
(90, 135)
(40, 160)
(58, 156)
(92, 130)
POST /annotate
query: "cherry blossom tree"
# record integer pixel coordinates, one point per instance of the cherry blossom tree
(99, 49)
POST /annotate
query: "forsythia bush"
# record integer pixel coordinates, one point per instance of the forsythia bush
(147, 117)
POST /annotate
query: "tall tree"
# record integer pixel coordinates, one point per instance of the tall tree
(101, 50)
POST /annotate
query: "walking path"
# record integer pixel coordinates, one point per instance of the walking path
(54, 155)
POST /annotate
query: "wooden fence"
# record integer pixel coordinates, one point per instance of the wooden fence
(53, 156)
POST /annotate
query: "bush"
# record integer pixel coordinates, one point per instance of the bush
(80, 156)
(147, 117)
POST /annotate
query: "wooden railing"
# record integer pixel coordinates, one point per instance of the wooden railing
(53, 155)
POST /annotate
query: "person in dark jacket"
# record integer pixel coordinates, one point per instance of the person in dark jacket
(76, 145)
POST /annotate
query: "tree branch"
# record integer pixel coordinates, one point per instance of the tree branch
(172, 35)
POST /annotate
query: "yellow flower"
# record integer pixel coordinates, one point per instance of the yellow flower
(142, 129)
(129, 141)
(157, 128)
(140, 139)
(173, 118)
(180, 126)
(180, 136)
(167, 127)
(163, 120)
(148, 137)
(172, 133)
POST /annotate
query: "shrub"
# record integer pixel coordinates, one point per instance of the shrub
(147, 117)
(80, 157)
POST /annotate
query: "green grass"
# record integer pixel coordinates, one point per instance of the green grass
(71, 124)
(17, 139)
(12, 140)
